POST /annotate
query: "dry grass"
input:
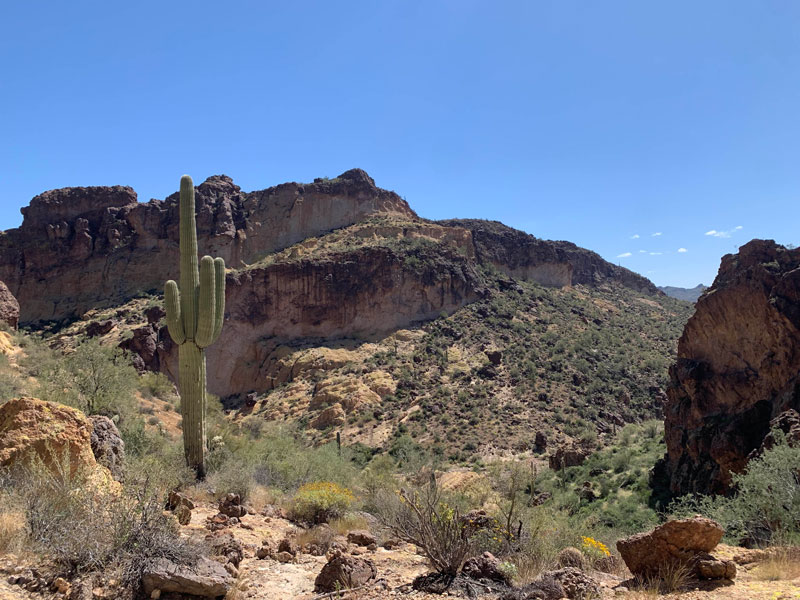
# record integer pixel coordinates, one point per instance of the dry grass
(320, 536)
(671, 578)
(781, 565)
(12, 530)
(261, 496)
(344, 525)
(530, 567)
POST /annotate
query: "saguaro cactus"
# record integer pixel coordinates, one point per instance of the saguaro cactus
(194, 320)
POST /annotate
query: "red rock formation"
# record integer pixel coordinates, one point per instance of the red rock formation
(738, 368)
(9, 307)
(79, 248)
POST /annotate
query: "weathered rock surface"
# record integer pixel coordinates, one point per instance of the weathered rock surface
(344, 572)
(683, 542)
(207, 579)
(33, 430)
(9, 307)
(737, 369)
(83, 247)
(107, 445)
(523, 256)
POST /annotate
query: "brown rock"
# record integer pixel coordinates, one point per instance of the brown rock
(9, 307)
(176, 499)
(231, 506)
(333, 416)
(714, 568)
(56, 435)
(288, 545)
(361, 537)
(485, 566)
(737, 369)
(567, 456)
(183, 513)
(223, 544)
(107, 445)
(577, 584)
(284, 557)
(344, 572)
(675, 543)
(207, 579)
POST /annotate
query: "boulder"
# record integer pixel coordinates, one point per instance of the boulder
(361, 537)
(107, 445)
(231, 506)
(207, 579)
(223, 544)
(577, 585)
(683, 542)
(344, 572)
(9, 307)
(58, 436)
(486, 566)
(176, 499)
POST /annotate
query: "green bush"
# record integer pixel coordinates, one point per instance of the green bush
(320, 502)
(765, 506)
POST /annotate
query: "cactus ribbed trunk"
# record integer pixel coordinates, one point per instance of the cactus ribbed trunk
(194, 319)
(192, 374)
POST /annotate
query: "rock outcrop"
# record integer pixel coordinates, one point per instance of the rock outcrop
(523, 256)
(680, 543)
(58, 437)
(738, 368)
(81, 248)
(9, 307)
(78, 248)
(107, 445)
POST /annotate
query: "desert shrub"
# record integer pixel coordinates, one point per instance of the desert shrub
(96, 379)
(765, 506)
(320, 502)
(425, 518)
(81, 527)
(156, 385)
(232, 476)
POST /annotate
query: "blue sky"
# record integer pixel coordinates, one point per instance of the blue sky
(588, 121)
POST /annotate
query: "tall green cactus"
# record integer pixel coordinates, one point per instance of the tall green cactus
(194, 320)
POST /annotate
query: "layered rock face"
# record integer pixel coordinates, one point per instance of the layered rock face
(78, 248)
(356, 294)
(738, 368)
(523, 256)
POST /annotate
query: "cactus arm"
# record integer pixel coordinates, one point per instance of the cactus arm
(219, 280)
(207, 304)
(172, 304)
(188, 245)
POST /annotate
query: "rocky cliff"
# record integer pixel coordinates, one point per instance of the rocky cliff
(523, 256)
(738, 368)
(78, 248)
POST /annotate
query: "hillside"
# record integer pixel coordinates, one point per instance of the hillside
(687, 294)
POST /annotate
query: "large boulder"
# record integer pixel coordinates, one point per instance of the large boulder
(9, 307)
(344, 572)
(678, 543)
(107, 445)
(485, 567)
(56, 436)
(207, 579)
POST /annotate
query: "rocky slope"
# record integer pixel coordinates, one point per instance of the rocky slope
(737, 368)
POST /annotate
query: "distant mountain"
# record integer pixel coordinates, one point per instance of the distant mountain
(688, 294)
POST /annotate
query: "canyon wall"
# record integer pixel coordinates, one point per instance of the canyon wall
(738, 369)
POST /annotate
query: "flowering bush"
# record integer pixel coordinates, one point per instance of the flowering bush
(594, 549)
(320, 501)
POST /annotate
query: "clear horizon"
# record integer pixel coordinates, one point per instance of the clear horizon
(661, 137)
